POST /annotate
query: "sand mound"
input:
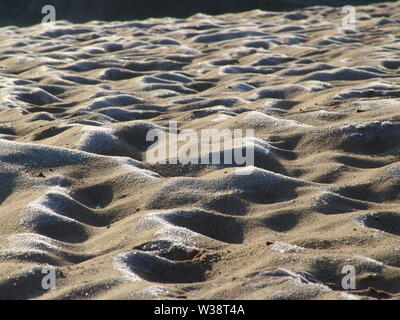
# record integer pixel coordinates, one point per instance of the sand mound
(82, 106)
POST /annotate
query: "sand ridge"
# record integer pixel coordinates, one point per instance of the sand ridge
(78, 193)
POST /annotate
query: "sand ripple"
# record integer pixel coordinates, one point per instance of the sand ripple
(78, 193)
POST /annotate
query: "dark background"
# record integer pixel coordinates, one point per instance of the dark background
(28, 12)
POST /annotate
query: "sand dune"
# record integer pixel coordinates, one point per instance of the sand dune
(78, 192)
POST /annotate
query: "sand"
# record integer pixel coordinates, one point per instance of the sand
(78, 194)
